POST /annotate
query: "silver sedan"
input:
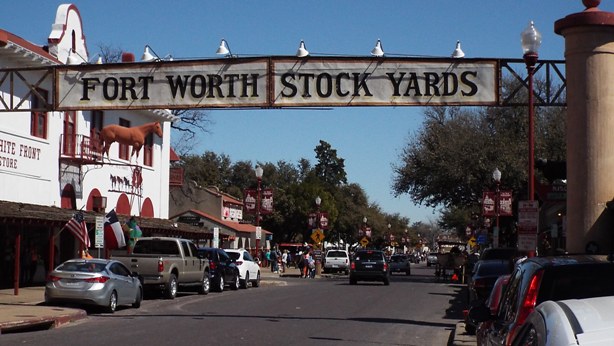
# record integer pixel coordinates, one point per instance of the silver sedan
(98, 282)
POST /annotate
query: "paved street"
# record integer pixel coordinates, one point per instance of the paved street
(415, 310)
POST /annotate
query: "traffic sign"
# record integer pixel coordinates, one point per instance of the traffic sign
(317, 235)
(364, 241)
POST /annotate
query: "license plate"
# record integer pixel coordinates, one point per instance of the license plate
(335, 266)
(71, 283)
(368, 266)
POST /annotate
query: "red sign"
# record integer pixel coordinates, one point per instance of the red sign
(250, 199)
(489, 203)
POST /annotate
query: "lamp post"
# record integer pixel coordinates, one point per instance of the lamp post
(389, 240)
(531, 39)
(496, 175)
(259, 172)
(320, 245)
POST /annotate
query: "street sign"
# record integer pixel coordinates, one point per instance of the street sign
(258, 232)
(528, 217)
(317, 235)
(364, 241)
(99, 235)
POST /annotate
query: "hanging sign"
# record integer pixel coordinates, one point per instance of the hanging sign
(277, 82)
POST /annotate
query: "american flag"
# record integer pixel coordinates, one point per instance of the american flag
(76, 225)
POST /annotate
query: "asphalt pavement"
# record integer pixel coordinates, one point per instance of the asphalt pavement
(25, 311)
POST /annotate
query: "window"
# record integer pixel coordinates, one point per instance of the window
(148, 150)
(38, 117)
(186, 249)
(70, 133)
(124, 150)
(95, 128)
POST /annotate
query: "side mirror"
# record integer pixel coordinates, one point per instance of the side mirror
(480, 313)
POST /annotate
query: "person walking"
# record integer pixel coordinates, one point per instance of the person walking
(306, 259)
(284, 261)
(273, 258)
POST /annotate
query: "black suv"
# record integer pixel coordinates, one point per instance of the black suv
(223, 269)
(538, 279)
(369, 265)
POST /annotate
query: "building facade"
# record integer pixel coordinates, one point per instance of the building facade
(52, 163)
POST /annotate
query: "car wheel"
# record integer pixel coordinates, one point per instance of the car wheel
(245, 282)
(352, 281)
(138, 300)
(386, 281)
(408, 273)
(220, 284)
(470, 329)
(256, 283)
(171, 287)
(235, 284)
(112, 303)
(347, 272)
(205, 285)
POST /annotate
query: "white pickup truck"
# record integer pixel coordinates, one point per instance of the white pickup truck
(167, 263)
(336, 261)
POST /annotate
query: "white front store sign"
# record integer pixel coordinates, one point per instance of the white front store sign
(277, 82)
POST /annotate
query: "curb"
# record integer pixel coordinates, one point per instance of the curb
(31, 321)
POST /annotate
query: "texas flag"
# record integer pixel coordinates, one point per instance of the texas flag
(113, 233)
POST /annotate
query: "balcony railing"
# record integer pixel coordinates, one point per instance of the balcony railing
(80, 148)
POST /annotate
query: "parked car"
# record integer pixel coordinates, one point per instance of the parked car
(483, 278)
(166, 264)
(501, 253)
(336, 261)
(97, 282)
(369, 265)
(570, 322)
(249, 270)
(223, 270)
(493, 304)
(399, 263)
(431, 259)
(538, 279)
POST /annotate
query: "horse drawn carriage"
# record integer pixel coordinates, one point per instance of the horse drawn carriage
(450, 259)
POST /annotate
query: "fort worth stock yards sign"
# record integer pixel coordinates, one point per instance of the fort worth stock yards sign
(277, 82)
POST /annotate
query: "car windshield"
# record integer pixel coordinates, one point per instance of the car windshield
(581, 281)
(335, 254)
(398, 259)
(493, 269)
(162, 247)
(369, 255)
(85, 267)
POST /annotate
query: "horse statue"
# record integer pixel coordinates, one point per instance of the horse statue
(134, 136)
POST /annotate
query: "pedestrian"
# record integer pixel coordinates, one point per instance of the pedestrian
(306, 259)
(135, 233)
(312, 267)
(300, 262)
(284, 261)
(273, 259)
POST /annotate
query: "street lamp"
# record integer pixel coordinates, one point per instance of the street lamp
(496, 175)
(320, 245)
(389, 238)
(259, 172)
(531, 39)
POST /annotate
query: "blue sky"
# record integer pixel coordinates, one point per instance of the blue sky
(369, 139)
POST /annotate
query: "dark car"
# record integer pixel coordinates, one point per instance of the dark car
(538, 279)
(400, 263)
(485, 273)
(369, 265)
(222, 268)
(501, 253)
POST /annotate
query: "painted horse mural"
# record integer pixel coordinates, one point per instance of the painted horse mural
(134, 136)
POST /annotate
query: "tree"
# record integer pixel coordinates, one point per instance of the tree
(450, 161)
(330, 169)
